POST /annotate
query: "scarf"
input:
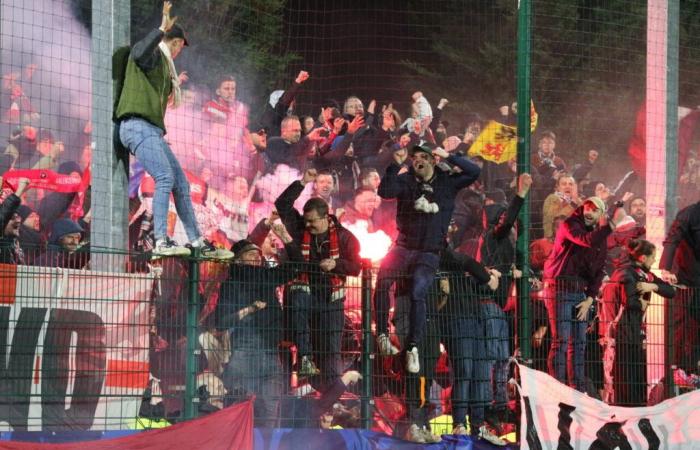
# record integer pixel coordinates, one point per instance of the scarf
(176, 96)
(337, 283)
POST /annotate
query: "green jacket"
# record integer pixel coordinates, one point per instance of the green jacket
(146, 84)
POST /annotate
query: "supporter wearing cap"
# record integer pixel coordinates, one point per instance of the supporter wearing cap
(576, 268)
(150, 83)
(248, 309)
(426, 199)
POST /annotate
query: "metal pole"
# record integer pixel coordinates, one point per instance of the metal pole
(523, 249)
(671, 167)
(367, 355)
(191, 398)
(109, 200)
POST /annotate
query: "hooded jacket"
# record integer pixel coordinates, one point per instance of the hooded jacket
(578, 256)
(10, 251)
(56, 256)
(420, 230)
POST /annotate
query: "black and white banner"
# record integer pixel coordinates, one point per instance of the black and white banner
(556, 417)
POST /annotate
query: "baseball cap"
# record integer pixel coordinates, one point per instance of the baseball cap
(425, 148)
(597, 202)
(177, 32)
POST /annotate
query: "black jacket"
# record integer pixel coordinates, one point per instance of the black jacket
(10, 252)
(246, 285)
(349, 262)
(682, 246)
(420, 230)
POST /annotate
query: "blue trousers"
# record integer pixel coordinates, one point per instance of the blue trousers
(145, 141)
(567, 331)
(419, 268)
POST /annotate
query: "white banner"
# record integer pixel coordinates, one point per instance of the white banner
(554, 416)
(73, 348)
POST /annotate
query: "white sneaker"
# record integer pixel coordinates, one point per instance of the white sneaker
(168, 247)
(208, 250)
(487, 435)
(460, 430)
(412, 361)
(385, 346)
(415, 434)
(429, 437)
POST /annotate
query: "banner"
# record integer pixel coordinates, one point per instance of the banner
(554, 416)
(73, 348)
(45, 179)
(228, 429)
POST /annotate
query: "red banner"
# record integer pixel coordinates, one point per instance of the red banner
(228, 429)
(45, 179)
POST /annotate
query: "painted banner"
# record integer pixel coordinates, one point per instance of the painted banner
(73, 348)
(558, 417)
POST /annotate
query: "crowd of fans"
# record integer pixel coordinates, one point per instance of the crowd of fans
(284, 191)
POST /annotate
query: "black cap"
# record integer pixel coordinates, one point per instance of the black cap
(242, 246)
(330, 103)
(177, 32)
(425, 148)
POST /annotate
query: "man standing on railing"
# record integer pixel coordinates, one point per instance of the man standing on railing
(150, 83)
(682, 256)
(426, 199)
(331, 253)
(575, 271)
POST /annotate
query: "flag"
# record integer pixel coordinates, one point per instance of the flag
(636, 148)
(498, 142)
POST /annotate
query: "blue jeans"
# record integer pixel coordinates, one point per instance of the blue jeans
(257, 371)
(471, 387)
(419, 268)
(497, 350)
(145, 141)
(567, 330)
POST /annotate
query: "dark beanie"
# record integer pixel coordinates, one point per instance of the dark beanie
(62, 227)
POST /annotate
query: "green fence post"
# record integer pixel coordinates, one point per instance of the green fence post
(367, 355)
(191, 398)
(523, 250)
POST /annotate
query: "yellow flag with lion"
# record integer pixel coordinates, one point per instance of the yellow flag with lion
(498, 142)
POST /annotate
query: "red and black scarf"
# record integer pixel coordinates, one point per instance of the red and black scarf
(337, 283)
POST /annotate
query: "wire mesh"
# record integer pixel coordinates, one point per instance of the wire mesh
(95, 338)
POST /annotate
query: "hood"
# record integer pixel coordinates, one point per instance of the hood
(62, 227)
(492, 213)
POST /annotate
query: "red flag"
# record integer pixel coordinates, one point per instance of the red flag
(228, 429)
(637, 146)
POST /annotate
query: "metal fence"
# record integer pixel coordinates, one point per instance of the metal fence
(174, 339)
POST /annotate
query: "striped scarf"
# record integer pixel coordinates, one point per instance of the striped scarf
(337, 283)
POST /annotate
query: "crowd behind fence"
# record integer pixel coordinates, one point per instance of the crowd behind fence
(92, 350)
(164, 340)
